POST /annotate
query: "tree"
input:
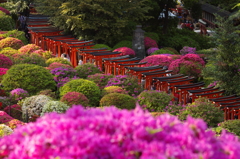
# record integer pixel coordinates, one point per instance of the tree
(105, 21)
(227, 59)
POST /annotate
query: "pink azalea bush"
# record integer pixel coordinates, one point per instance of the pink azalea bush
(18, 94)
(4, 117)
(11, 42)
(125, 51)
(151, 50)
(148, 42)
(120, 134)
(188, 50)
(75, 98)
(3, 71)
(5, 62)
(29, 48)
(161, 60)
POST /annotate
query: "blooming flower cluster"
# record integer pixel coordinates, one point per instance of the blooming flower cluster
(29, 48)
(5, 62)
(161, 60)
(5, 130)
(3, 71)
(188, 50)
(54, 106)
(100, 79)
(57, 65)
(18, 94)
(120, 134)
(4, 117)
(75, 98)
(13, 124)
(213, 84)
(4, 10)
(8, 51)
(125, 51)
(11, 42)
(148, 42)
(151, 50)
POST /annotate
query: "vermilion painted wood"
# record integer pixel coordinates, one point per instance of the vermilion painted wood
(194, 93)
(122, 67)
(108, 64)
(212, 94)
(88, 56)
(116, 67)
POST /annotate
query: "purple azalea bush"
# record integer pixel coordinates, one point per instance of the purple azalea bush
(18, 94)
(111, 133)
(188, 50)
(152, 50)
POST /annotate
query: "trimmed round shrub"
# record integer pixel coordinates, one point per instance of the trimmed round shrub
(124, 43)
(148, 42)
(6, 22)
(14, 110)
(8, 51)
(118, 100)
(58, 60)
(14, 123)
(152, 35)
(5, 62)
(75, 98)
(32, 78)
(45, 54)
(18, 94)
(161, 60)
(5, 130)
(113, 89)
(11, 42)
(33, 105)
(125, 51)
(174, 57)
(4, 117)
(162, 51)
(48, 92)
(120, 134)
(188, 50)
(17, 34)
(100, 79)
(129, 83)
(3, 71)
(204, 109)
(84, 70)
(171, 49)
(29, 48)
(57, 65)
(33, 58)
(86, 87)
(54, 106)
(99, 46)
(153, 100)
(231, 126)
(152, 50)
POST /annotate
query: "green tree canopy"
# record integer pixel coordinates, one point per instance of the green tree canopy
(105, 21)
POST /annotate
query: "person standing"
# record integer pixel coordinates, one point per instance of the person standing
(21, 22)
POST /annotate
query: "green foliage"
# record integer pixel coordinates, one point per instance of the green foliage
(104, 21)
(6, 22)
(153, 100)
(59, 60)
(171, 49)
(162, 51)
(48, 92)
(32, 78)
(226, 60)
(17, 34)
(100, 79)
(128, 38)
(113, 89)
(8, 51)
(33, 58)
(83, 71)
(11, 42)
(33, 105)
(232, 126)
(174, 108)
(54, 106)
(124, 43)
(152, 35)
(205, 109)
(119, 100)
(99, 46)
(86, 87)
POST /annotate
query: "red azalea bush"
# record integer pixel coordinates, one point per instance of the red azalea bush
(75, 98)
(11, 42)
(148, 42)
(4, 10)
(5, 62)
(29, 48)
(125, 51)
(4, 117)
(161, 60)
(57, 65)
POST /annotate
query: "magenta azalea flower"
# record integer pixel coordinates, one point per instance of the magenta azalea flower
(161, 60)
(125, 51)
(148, 42)
(151, 50)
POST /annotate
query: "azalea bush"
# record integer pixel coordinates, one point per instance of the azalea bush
(57, 65)
(174, 108)
(14, 123)
(6, 22)
(119, 134)
(32, 78)
(29, 48)
(100, 79)
(75, 98)
(188, 50)
(16, 34)
(83, 71)
(5, 10)
(14, 111)
(122, 101)
(5, 62)
(18, 94)
(162, 51)
(113, 89)
(23, 58)
(152, 50)
(152, 35)
(4, 117)
(160, 60)
(231, 125)
(99, 46)
(8, 51)
(148, 42)
(54, 106)
(11, 42)
(48, 92)
(5, 130)
(154, 100)
(125, 51)
(3, 71)
(171, 49)
(58, 60)
(86, 87)
(205, 109)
